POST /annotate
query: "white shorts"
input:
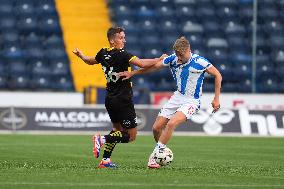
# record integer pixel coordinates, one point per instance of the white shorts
(181, 103)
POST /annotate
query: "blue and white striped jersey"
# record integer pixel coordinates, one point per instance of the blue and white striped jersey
(188, 76)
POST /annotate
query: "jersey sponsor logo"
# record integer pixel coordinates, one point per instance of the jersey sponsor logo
(110, 75)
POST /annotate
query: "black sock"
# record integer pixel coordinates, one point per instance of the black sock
(117, 137)
(112, 139)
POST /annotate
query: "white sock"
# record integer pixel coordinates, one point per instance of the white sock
(103, 139)
(159, 145)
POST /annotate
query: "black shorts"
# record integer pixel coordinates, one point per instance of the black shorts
(121, 110)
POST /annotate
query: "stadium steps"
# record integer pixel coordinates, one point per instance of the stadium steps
(84, 25)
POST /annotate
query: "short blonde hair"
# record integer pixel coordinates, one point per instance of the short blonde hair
(181, 45)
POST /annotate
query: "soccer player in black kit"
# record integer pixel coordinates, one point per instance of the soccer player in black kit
(118, 101)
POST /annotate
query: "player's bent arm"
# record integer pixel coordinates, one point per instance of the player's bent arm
(88, 60)
(218, 80)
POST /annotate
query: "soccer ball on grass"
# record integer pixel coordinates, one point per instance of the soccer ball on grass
(164, 156)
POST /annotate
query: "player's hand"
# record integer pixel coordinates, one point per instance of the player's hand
(163, 56)
(215, 105)
(78, 53)
(126, 75)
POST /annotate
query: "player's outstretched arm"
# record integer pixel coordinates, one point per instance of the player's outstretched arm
(218, 80)
(147, 63)
(127, 74)
(88, 60)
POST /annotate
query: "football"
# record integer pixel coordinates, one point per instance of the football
(164, 156)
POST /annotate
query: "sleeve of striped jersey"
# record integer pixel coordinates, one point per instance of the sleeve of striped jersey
(168, 60)
(204, 63)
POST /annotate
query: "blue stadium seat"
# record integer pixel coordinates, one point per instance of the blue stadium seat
(20, 82)
(165, 12)
(278, 57)
(62, 83)
(122, 12)
(10, 39)
(277, 41)
(17, 67)
(8, 23)
(49, 25)
(185, 13)
(206, 13)
(226, 12)
(3, 69)
(40, 83)
(6, 8)
(235, 30)
(217, 43)
(268, 85)
(212, 28)
(32, 40)
(40, 68)
(3, 82)
(218, 55)
(46, 8)
(24, 8)
(13, 53)
(168, 26)
(245, 86)
(60, 68)
(54, 41)
(192, 28)
(145, 13)
(148, 27)
(27, 25)
(34, 53)
(195, 40)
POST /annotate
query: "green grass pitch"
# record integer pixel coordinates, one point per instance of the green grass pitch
(56, 161)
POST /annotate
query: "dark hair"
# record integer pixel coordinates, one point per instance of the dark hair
(112, 31)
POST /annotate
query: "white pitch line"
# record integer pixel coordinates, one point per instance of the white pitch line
(141, 184)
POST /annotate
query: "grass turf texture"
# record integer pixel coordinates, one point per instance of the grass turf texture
(42, 161)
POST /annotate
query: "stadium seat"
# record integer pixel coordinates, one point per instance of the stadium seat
(6, 8)
(268, 85)
(62, 83)
(8, 23)
(3, 69)
(49, 25)
(60, 68)
(24, 8)
(40, 67)
(164, 12)
(3, 82)
(40, 83)
(20, 82)
(278, 57)
(17, 67)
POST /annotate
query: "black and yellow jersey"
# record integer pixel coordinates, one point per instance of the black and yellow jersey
(114, 61)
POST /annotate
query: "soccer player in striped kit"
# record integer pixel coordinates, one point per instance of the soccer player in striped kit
(188, 71)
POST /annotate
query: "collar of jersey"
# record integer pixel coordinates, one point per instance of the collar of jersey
(109, 48)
